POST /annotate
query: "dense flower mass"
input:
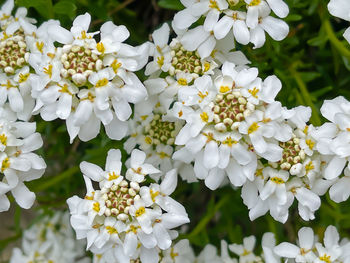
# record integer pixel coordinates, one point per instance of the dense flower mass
(245, 21)
(50, 240)
(86, 82)
(19, 163)
(126, 216)
(200, 113)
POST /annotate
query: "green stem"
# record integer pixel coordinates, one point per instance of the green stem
(206, 219)
(343, 50)
(315, 117)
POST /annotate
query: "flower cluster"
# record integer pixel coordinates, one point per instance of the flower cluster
(69, 74)
(334, 142)
(50, 240)
(127, 216)
(16, 39)
(155, 134)
(244, 21)
(19, 164)
(341, 9)
(309, 249)
(232, 127)
(86, 82)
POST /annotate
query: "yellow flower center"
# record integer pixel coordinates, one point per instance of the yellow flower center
(3, 139)
(254, 127)
(5, 164)
(111, 230)
(112, 176)
(326, 258)
(255, 2)
(224, 89)
(204, 117)
(182, 82)
(140, 211)
(101, 83)
(96, 207)
(277, 180)
(253, 92)
(100, 47)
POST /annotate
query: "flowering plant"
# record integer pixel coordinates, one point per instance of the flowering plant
(224, 136)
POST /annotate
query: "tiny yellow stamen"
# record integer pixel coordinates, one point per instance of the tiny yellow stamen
(116, 65)
(48, 70)
(204, 117)
(100, 47)
(40, 46)
(254, 127)
(277, 180)
(229, 141)
(111, 230)
(173, 255)
(154, 195)
(326, 258)
(23, 77)
(160, 61)
(64, 89)
(163, 155)
(310, 166)
(101, 83)
(5, 164)
(255, 3)
(148, 140)
(182, 82)
(224, 89)
(3, 139)
(96, 207)
(253, 92)
(140, 211)
(310, 143)
(202, 96)
(112, 176)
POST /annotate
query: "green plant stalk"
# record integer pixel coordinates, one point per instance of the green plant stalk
(206, 219)
(343, 50)
(315, 117)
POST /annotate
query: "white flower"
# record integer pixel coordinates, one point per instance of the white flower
(195, 9)
(18, 162)
(50, 240)
(303, 252)
(246, 250)
(123, 214)
(341, 9)
(88, 82)
(226, 129)
(181, 252)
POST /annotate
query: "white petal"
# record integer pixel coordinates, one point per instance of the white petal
(276, 28)
(23, 196)
(211, 155)
(287, 250)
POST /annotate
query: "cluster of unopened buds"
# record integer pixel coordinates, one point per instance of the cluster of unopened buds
(203, 113)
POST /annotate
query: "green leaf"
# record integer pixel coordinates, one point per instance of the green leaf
(44, 7)
(171, 4)
(65, 7)
(317, 41)
(293, 17)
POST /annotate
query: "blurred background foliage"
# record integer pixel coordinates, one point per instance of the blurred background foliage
(313, 63)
